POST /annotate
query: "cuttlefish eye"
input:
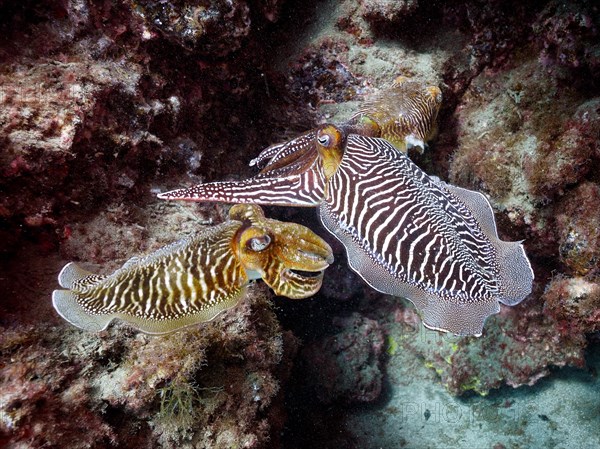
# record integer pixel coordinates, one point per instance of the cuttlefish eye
(258, 243)
(324, 139)
(329, 136)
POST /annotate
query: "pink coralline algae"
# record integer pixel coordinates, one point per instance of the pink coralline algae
(517, 348)
(345, 367)
(33, 119)
(578, 223)
(566, 157)
(322, 75)
(216, 385)
(574, 303)
(40, 392)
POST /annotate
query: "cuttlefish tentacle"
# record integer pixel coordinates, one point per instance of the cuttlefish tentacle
(194, 280)
(293, 175)
(411, 235)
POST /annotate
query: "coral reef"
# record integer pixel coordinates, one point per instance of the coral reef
(173, 387)
(577, 230)
(103, 104)
(387, 10)
(567, 33)
(95, 108)
(215, 28)
(574, 303)
(515, 350)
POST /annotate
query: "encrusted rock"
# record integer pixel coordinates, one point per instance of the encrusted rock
(345, 366)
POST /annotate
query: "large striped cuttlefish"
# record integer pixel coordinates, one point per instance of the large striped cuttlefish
(193, 280)
(406, 234)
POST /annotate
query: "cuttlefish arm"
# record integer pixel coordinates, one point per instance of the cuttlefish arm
(194, 280)
(278, 251)
(295, 174)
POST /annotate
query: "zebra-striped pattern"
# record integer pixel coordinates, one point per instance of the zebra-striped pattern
(406, 113)
(292, 176)
(401, 218)
(180, 280)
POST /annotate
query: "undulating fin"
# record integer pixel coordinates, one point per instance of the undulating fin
(66, 303)
(408, 235)
(70, 306)
(73, 275)
(515, 272)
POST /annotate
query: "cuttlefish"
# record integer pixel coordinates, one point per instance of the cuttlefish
(404, 113)
(195, 279)
(406, 234)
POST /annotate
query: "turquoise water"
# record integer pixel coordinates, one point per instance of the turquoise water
(416, 411)
(559, 411)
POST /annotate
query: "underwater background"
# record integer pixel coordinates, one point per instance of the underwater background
(104, 104)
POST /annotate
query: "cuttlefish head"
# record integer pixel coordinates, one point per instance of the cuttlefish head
(330, 141)
(289, 257)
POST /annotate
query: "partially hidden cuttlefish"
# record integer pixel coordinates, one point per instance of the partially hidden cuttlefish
(193, 280)
(404, 113)
(406, 234)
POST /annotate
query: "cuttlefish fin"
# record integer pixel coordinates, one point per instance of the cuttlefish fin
(65, 301)
(92, 301)
(458, 318)
(72, 275)
(515, 272)
(66, 304)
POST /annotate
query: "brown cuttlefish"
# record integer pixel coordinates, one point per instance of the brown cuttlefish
(193, 280)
